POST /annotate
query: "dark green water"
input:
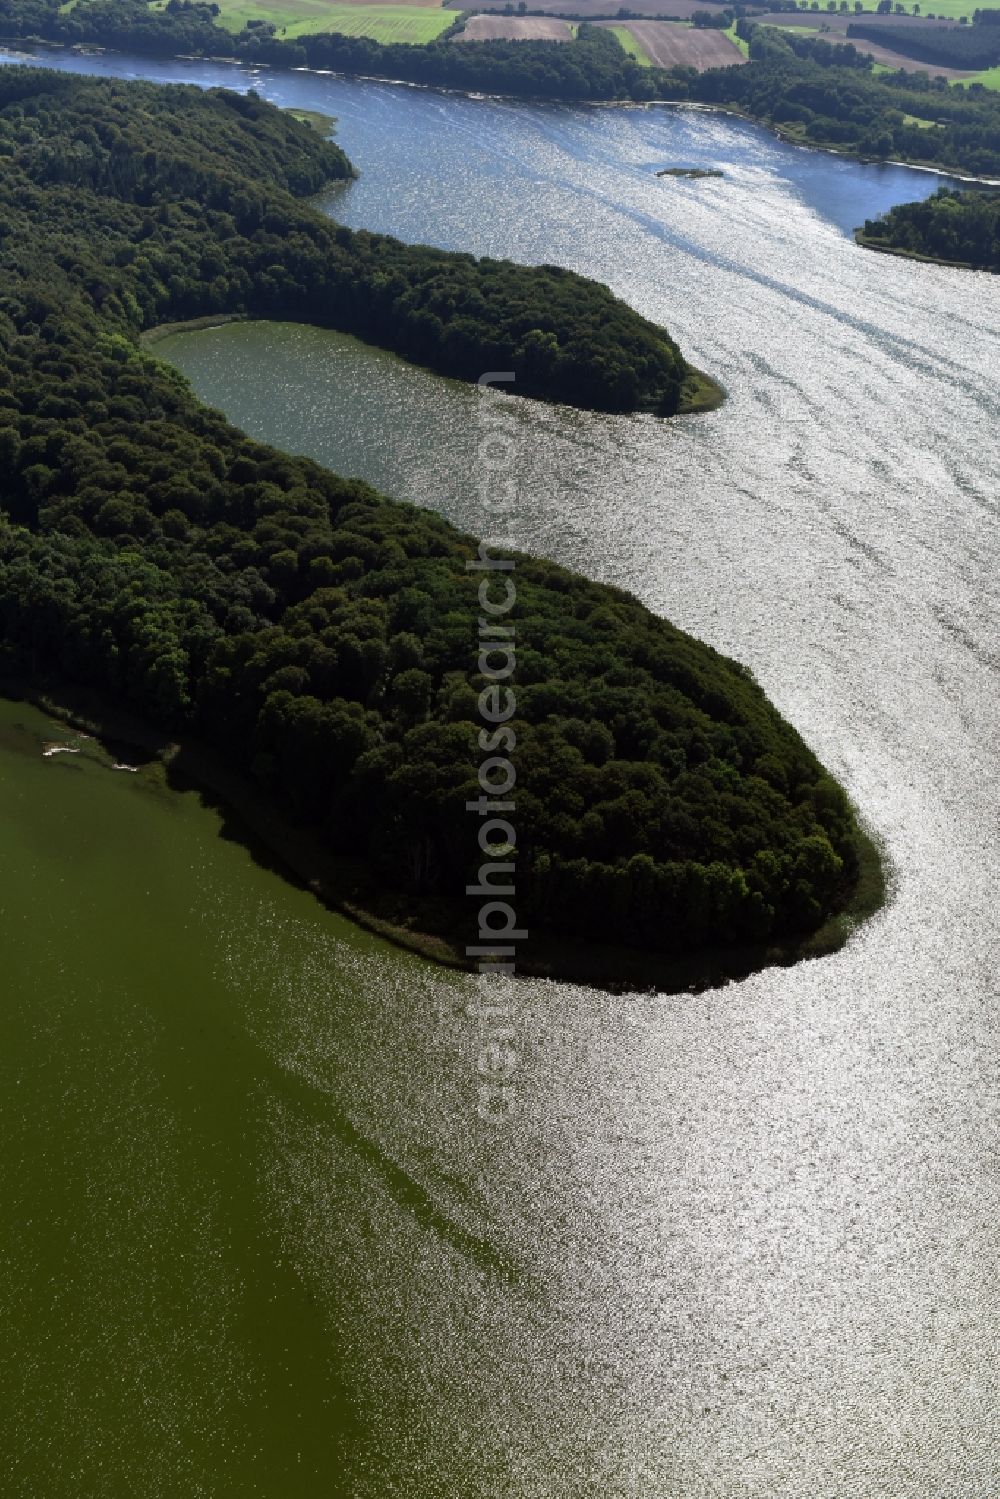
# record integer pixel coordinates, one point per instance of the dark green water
(355, 408)
(160, 988)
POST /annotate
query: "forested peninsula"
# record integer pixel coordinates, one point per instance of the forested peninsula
(953, 228)
(320, 637)
(231, 246)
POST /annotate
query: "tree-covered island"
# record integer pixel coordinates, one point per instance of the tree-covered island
(322, 638)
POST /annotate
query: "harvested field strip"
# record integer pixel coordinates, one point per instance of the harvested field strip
(669, 45)
(895, 60)
(584, 10)
(487, 28)
(828, 22)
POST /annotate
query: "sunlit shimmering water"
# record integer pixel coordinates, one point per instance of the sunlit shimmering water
(741, 1244)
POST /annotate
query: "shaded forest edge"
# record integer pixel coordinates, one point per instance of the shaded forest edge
(322, 640)
(953, 228)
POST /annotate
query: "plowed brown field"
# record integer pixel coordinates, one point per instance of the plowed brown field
(896, 60)
(672, 46)
(585, 9)
(515, 29)
(824, 21)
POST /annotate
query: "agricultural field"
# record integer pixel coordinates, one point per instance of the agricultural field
(583, 10)
(630, 44)
(668, 45)
(407, 21)
(516, 29)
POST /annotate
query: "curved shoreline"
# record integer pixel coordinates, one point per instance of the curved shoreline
(85, 49)
(700, 392)
(150, 337)
(867, 243)
(345, 885)
(789, 139)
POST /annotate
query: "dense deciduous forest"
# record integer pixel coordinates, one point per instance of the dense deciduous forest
(230, 247)
(959, 227)
(592, 66)
(322, 637)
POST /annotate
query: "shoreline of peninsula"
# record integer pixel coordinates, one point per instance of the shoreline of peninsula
(347, 886)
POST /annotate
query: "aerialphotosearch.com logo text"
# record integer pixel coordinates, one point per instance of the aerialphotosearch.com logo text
(498, 930)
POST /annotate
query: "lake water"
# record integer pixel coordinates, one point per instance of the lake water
(741, 1244)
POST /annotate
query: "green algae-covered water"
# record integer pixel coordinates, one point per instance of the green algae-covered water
(166, 1000)
(256, 1240)
(152, 1325)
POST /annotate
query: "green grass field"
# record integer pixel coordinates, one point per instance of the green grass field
(738, 41)
(383, 23)
(990, 78)
(631, 46)
(324, 125)
(953, 9)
